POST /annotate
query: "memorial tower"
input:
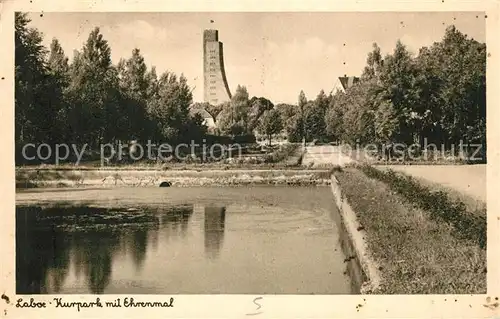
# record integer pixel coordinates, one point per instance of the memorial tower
(216, 88)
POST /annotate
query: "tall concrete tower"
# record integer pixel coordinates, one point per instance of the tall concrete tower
(216, 89)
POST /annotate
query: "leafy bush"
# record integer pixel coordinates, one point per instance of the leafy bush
(468, 225)
(281, 153)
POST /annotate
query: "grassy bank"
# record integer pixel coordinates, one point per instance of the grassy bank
(142, 178)
(424, 242)
(441, 207)
(467, 182)
(472, 204)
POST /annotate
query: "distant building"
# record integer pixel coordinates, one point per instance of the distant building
(216, 88)
(208, 120)
(343, 83)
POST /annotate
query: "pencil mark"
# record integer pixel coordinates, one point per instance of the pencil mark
(258, 307)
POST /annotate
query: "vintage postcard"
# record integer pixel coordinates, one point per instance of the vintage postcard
(235, 159)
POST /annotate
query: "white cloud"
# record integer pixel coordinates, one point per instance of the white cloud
(320, 65)
(140, 29)
(413, 44)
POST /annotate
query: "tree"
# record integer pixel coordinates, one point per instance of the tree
(234, 120)
(302, 99)
(58, 82)
(286, 110)
(350, 116)
(293, 128)
(374, 64)
(290, 118)
(40, 84)
(214, 110)
(227, 124)
(314, 116)
(170, 110)
(152, 98)
(334, 117)
(241, 105)
(270, 124)
(386, 122)
(258, 105)
(302, 102)
(58, 61)
(398, 82)
(92, 101)
(135, 91)
(93, 92)
(322, 100)
(30, 74)
(463, 70)
(438, 95)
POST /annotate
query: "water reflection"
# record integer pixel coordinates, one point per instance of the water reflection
(215, 218)
(176, 221)
(48, 239)
(154, 247)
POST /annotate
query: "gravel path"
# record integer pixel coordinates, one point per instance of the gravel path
(469, 179)
(323, 155)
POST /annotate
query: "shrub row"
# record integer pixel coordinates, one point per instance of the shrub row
(282, 153)
(468, 225)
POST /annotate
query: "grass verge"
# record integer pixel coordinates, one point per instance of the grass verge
(473, 204)
(467, 224)
(417, 252)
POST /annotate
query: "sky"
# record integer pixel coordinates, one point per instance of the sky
(274, 55)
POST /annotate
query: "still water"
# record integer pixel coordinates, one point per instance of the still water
(253, 240)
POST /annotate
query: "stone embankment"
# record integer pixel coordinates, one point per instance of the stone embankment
(361, 266)
(177, 178)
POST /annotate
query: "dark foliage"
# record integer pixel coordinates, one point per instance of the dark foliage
(282, 153)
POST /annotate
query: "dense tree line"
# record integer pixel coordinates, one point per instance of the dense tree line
(238, 117)
(91, 101)
(307, 118)
(439, 95)
(241, 115)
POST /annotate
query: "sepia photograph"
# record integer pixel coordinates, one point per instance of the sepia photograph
(289, 153)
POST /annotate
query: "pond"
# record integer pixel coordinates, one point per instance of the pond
(231, 240)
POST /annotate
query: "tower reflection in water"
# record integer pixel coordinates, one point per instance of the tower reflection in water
(215, 218)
